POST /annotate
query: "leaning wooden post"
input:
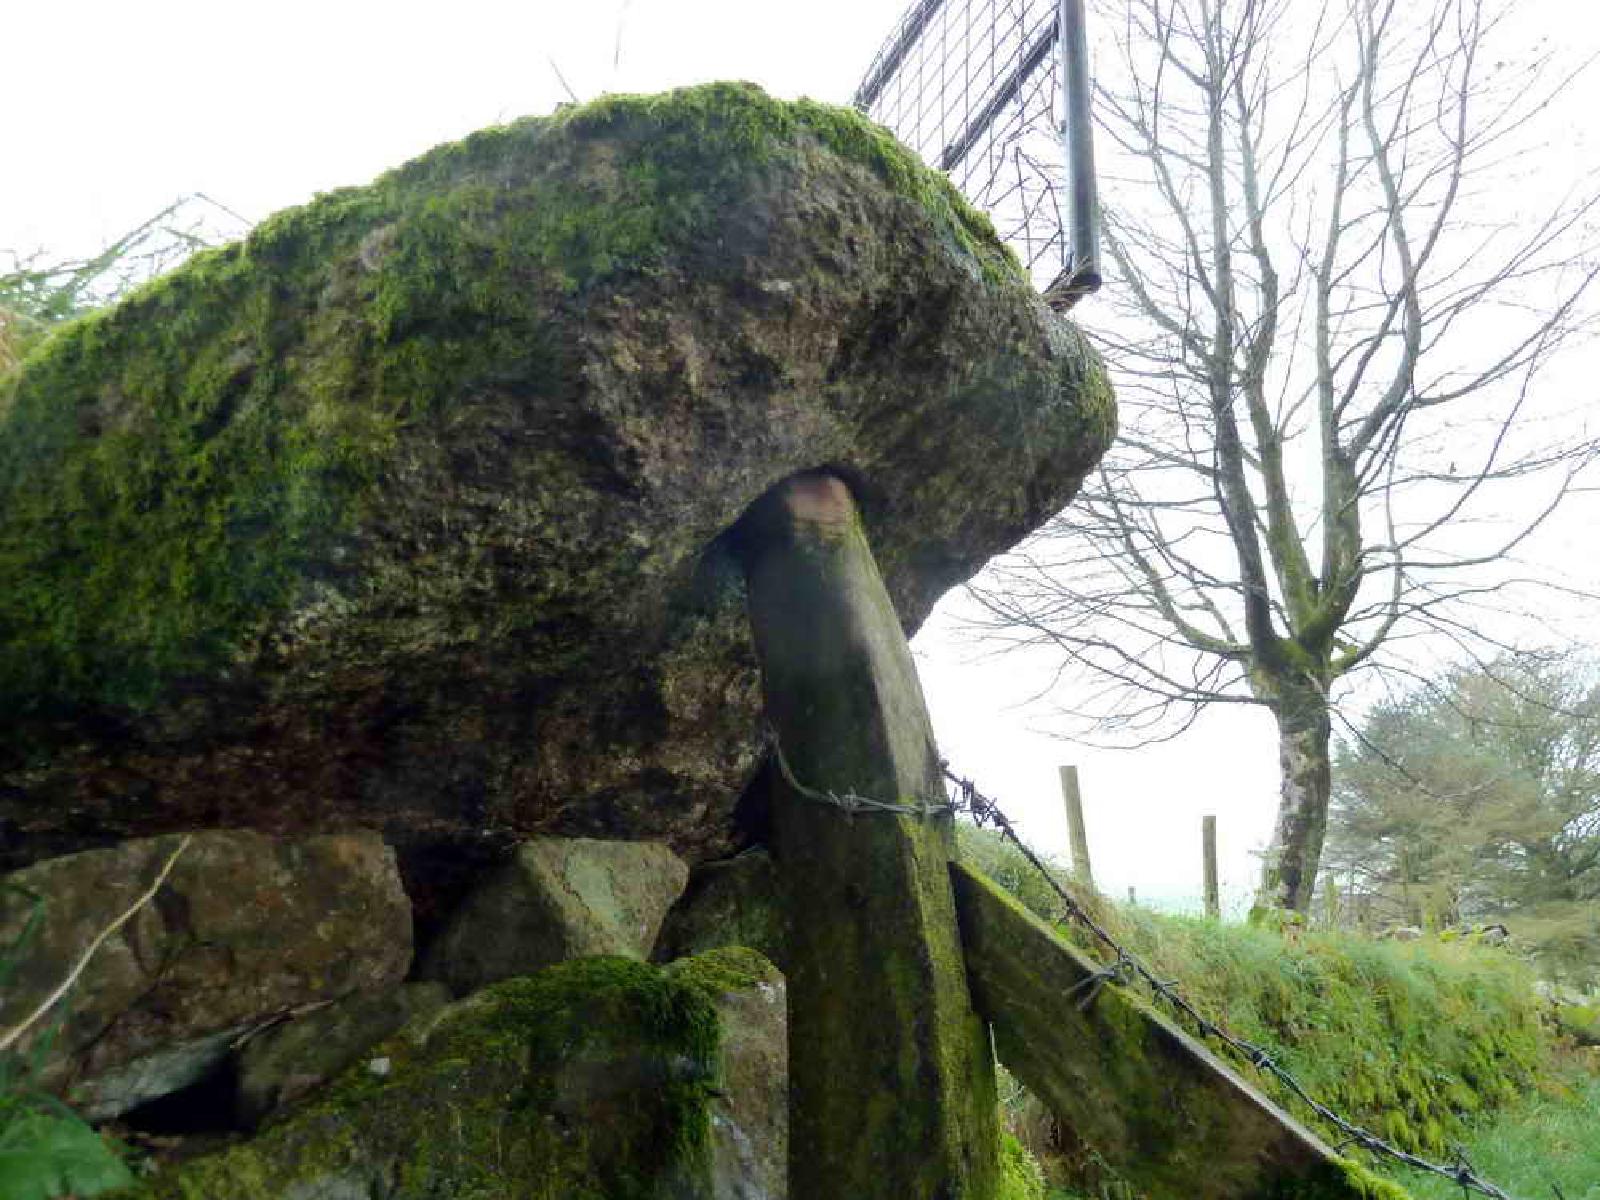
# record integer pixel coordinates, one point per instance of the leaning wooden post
(1076, 832)
(1208, 840)
(892, 1089)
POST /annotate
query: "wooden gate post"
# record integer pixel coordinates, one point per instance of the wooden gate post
(892, 1091)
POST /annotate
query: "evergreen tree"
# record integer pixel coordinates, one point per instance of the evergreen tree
(1478, 798)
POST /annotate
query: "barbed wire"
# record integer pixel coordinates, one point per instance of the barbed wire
(1127, 965)
(850, 802)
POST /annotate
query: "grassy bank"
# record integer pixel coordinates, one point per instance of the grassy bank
(1428, 1044)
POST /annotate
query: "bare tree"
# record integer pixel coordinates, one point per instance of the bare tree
(1331, 297)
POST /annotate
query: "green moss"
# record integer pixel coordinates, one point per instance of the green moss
(176, 473)
(161, 483)
(723, 970)
(1089, 383)
(1582, 1021)
(1020, 1176)
(591, 1080)
(713, 131)
(1342, 1180)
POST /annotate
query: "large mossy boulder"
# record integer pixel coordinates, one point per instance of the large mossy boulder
(406, 511)
(597, 1079)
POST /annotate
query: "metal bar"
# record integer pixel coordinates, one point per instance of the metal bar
(1077, 132)
(890, 58)
(1009, 87)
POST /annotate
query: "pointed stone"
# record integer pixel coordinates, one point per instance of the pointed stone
(558, 899)
(892, 1088)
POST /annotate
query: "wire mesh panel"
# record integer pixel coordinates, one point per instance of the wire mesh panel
(973, 86)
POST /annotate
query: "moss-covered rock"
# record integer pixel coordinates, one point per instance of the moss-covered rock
(278, 1066)
(592, 1080)
(750, 1117)
(398, 511)
(730, 902)
(244, 929)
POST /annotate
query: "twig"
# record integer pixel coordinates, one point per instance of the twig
(12, 1035)
(563, 79)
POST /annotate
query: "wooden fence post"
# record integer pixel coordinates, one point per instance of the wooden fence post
(1208, 840)
(1076, 833)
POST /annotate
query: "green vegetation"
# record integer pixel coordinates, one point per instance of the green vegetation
(1021, 1177)
(1415, 1041)
(1404, 1038)
(1477, 798)
(985, 850)
(1532, 1148)
(46, 1150)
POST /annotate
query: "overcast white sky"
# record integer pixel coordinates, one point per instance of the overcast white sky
(112, 109)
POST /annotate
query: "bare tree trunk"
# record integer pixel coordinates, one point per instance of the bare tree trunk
(1290, 872)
